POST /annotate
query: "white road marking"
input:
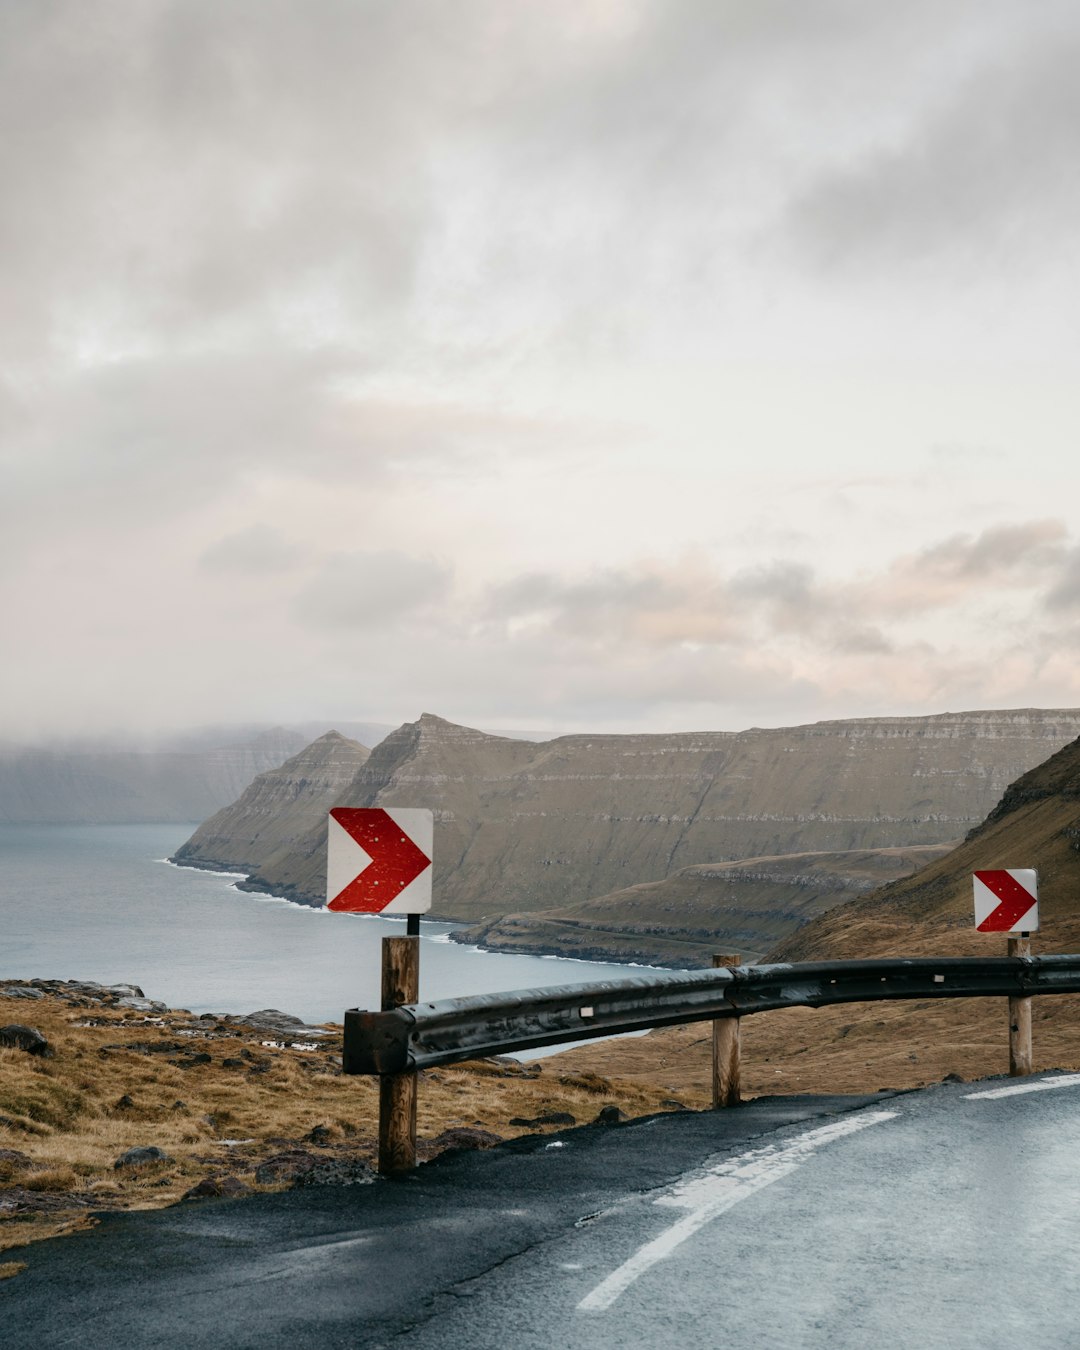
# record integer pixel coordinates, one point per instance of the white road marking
(709, 1194)
(1039, 1085)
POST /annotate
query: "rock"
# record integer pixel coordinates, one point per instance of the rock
(143, 1156)
(673, 1104)
(125, 1103)
(288, 1166)
(146, 1005)
(124, 990)
(546, 1118)
(338, 1172)
(12, 1160)
(273, 1018)
(17, 1037)
(953, 1078)
(21, 991)
(610, 1115)
(319, 1134)
(191, 1061)
(281, 1025)
(16, 1200)
(217, 1186)
(232, 1062)
(462, 1136)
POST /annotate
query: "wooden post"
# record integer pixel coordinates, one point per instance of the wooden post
(726, 1069)
(397, 1091)
(1020, 1057)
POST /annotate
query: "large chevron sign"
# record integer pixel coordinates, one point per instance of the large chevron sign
(378, 861)
(1007, 901)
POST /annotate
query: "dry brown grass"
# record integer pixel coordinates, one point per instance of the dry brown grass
(856, 1047)
(110, 1087)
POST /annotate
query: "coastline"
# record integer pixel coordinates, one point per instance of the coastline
(672, 955)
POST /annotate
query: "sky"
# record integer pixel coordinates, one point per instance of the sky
(629, 365)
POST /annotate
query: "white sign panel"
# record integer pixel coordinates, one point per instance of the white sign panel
(1007, 900)
(378, 861)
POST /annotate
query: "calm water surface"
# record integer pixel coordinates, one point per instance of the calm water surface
(98, 902)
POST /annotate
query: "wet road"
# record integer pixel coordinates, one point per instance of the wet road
(944, 1218)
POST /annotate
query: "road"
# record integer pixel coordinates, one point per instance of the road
(948, 1217)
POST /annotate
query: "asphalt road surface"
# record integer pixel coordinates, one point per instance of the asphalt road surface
(944, 1218)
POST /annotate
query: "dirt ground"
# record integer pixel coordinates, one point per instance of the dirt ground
(232, 1107)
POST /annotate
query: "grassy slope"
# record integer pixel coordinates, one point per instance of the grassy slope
(746, 906)
(862, 1046)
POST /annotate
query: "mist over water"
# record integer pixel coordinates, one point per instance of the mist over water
(99, 902)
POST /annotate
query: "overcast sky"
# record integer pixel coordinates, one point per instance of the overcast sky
(614, 364)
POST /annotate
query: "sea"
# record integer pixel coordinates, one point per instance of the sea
(102, 902)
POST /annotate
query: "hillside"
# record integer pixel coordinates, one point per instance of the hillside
(279, 806)
(1035, 824)
(522, 826)
(745, 906)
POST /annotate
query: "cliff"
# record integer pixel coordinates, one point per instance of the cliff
(280, 806)
(522, 826)
(745, 906)
(1035, 824)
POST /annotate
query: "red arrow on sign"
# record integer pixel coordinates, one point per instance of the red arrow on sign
(1014, 901)
(395, 860)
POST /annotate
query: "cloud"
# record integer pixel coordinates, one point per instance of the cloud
(692, 604)
(1065, 593)
(1021, 556)
(654, 605)
(257, 550)
(367, 591)
(979, 176)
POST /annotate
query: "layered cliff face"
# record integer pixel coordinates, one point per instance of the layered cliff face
(523, 826)
(62, 787)
(744, 907)
(1036, 824)
(280, 806)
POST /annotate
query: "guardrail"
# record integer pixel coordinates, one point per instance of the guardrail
(402, 1040)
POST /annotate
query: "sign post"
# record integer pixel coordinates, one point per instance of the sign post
(726, 1048)
(1007, 901)
(379, 862)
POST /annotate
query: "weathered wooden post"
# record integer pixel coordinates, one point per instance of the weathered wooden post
(378, 861)
(726, 1065)
(1020, 1054)
(397, 1091)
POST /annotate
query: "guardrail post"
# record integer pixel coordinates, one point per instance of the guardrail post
(397, 1091)
(726, 1064)
(1020, 1055)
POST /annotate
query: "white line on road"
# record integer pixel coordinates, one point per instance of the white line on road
(1039, 1085)
(708, 1194)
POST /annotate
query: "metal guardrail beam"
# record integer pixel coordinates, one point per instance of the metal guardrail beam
(420, 1035)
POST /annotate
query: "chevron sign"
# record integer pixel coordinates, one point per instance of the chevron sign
(1007, 901)
(379, 861)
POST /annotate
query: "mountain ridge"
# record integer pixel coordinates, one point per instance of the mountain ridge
(524, 826)
(276, 806)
